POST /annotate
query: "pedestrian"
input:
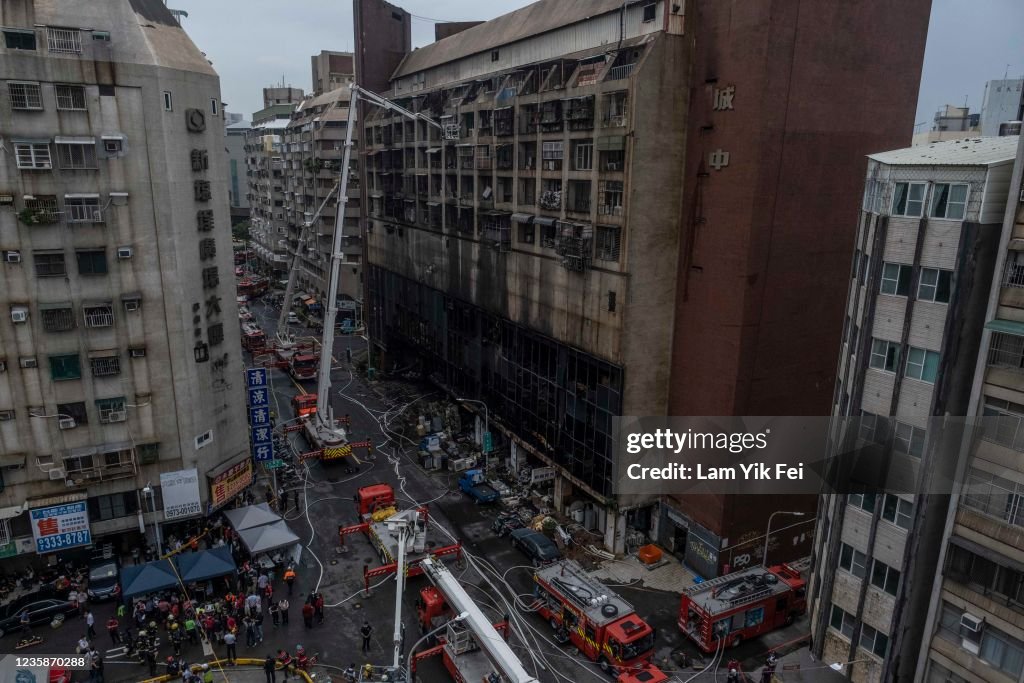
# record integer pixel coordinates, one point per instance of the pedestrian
(307, 614)
(96, 672)
(121, 611)
(253, 603)
(282, 499)
(269, 592)
(82, 602)
(319, 607)
(250, 631)
(289, 578)
(269, 666)
(258, 623)
(229, 641)
(26, 623)
(261, 582)
(207, 674)
(349, 674)
(90, 624)
(283, 607)
(295, 498)
(151, 660)
(191, 630)
(83, 645)
(366, 631)
(275, 614)
(269, 494)
(135, 555)
(113, 629)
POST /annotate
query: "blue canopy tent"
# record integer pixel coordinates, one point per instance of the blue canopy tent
(208, 564)
(147, 578)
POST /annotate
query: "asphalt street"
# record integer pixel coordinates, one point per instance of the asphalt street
(326, 503)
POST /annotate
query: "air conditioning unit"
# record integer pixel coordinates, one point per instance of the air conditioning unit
(57, 473)
(124, 252)
(132, 305)
(19, 315)
(117, 416)
(29, 362)
(6, 415)
(971, 623)
(12, 256)
(612, 166)
(138, 352)
(67, 423)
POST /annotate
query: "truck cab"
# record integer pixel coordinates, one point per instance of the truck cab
(304, 405)
(303, 366)
(373, 498)
(473, 483)
(253, 337)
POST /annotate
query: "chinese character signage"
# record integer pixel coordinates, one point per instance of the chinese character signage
(60, 526)
(229, 484)
(261, 432)
(180, 492)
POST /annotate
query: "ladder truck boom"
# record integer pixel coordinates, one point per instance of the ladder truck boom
(490, 641)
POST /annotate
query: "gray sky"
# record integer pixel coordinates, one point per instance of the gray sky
(255, 43)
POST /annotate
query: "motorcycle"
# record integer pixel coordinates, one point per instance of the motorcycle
(506, 523)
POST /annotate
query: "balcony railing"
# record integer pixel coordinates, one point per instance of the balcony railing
(617, 73)
(1014, 276)
(1006, 351)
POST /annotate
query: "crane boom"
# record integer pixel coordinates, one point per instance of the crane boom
(486, 636)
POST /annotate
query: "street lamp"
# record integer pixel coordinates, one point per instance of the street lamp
(487, 421)
(768, 531)
(149, 493)
(408, 659)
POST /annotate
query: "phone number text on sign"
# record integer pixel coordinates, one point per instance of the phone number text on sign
(60, 526)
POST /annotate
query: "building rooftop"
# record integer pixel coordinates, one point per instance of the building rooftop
(540, 17)
(966, 152)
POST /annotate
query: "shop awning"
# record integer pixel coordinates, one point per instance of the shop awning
(251, 516)
(147, 578)
(1006, 326)
(268, 537)
(55, 307)
(522, 217)
(432, 150)
(61, 499)
(208, 564)
(310, 302)
(545, 221)
(74, 140)
(12, 511)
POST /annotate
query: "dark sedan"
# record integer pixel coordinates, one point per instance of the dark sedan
(535, 545)
(104, 580)
(40, 612)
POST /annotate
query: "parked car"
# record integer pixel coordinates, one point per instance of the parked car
(239, 271)
(104, 579)
(292, 318)
(40, 611)
(535, 545)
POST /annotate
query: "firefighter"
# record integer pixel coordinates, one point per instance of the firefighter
(289, 578)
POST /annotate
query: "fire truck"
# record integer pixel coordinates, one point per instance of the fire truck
(252, 287)
(303, 366)
(597, 621)
(303, 405)
(253, 338)
(386, 528)
(732, 608)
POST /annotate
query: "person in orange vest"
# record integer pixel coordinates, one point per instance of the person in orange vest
(289, 578)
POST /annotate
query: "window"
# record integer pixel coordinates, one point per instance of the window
(43, 209)
(922, 364)
(25, 96)
(1006, 351)
(526, 232)
(842, 621)
(113, 506)
(551, 154)
(873, 641)
(494, 55)
(98, 315)
(885, 355)
(105, 366)
(861, 498)
(612, 160)
(49, 263)
(940, 674)
(70, 97)
(214, 106)
(547, 235)
(908, 200)
(995, 496)
(58, 319)
(1002, 651)
(82, 209)
(33, 155)
(896, 279)
(873, 195)
(885, 577)
(611, 301)
(78, 464)
(985, 576)
(111, 409)
(949, 201)
(897, 511)
(609, 200)
(871, 427)
(168, 102)
(649, 11)
(76, 156)
(909, 439)
(583, 156)
(934, 285)
(75, 411)
(19, 40)
(65, 367)
(64, 40)
(92, 262)
(608, 238)
(1004, 423)
(148, 453)
(853, 561)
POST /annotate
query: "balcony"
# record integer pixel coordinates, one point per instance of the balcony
(620, 72)
(550, 200)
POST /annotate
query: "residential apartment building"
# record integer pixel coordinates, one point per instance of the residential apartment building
(951, 123)
(580, 238)
(926, 256)
(975, 625)
(238, 186)
(295, 167)
(119, 348)
(1002, 102)
(331, 70)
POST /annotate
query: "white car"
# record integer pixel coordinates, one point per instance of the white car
(292, 318)
(244, 314)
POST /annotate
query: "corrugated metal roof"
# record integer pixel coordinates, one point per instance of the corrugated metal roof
(967, 152)
(540, 17)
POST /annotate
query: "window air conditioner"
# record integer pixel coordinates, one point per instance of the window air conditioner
(124, 252)
(138, 352)
(132, 305)
(19, 315)
(29, 362)
(67, 423)
(612, 166)
(12, 256)
(117, 416)
(971, 623)
(57, 473)
(6, 415)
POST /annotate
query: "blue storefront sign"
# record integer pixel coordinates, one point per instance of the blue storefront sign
(261, 432)
(60, 526)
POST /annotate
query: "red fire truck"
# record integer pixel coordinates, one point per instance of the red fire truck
(252, 287)
(741, 605)
(303, 366)
(585, 612)
(253, 338)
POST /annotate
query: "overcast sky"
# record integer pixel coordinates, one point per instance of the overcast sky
(255, 43)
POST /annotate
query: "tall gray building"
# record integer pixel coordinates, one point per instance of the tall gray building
(925, 261)
(235, 130)
(1002, 102)
(120, 370)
